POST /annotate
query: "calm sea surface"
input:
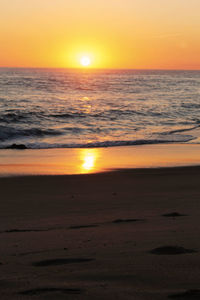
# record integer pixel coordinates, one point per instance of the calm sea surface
(64, 108)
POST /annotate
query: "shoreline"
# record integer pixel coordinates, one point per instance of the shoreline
(110, 172)
(96, 160)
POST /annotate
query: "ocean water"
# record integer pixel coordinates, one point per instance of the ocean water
(59, 108)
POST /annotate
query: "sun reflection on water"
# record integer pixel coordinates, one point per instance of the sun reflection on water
(88, 159)
(85, 105)
(85, 98)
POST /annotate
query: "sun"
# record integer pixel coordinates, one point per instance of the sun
(85, 61)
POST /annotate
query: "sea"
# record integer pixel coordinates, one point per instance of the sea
(62, 108)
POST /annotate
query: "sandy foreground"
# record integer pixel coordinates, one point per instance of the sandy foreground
(130, 234)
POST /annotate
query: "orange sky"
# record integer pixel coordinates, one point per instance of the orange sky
(114, 33)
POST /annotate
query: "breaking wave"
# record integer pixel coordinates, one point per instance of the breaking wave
(72, 109)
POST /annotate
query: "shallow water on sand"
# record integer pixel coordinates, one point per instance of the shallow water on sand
(94, 160)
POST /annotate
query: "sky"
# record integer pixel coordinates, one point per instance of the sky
(141, 34)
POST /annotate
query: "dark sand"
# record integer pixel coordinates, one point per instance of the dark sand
(132, 234)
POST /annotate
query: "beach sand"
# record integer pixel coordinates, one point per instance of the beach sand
(128, 234)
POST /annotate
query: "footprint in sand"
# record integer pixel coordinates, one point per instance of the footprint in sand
(25, 230)
(126, 220)
(190, 294)
(50, 290)
(171, 250)
(60, 261)
(174, 214)
(82, 226)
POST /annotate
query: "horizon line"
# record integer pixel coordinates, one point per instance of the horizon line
(95, 69)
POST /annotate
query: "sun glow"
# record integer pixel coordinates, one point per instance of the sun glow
(85, 61)
(85, 55)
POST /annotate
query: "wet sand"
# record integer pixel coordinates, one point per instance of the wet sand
(129, 234)
(95, 160)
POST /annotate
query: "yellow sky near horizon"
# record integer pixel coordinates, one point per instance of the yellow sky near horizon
(115, 34)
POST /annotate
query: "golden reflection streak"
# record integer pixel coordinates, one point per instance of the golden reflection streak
(88, 160)
(85, 98)
(86, 106)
